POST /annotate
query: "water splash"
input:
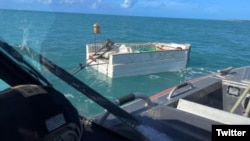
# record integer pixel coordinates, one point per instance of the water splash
(25, 37)
(154, 77)
(24, 45)
(24, 48)
(192, 72)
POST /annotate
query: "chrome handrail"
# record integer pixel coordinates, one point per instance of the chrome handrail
(178, 87)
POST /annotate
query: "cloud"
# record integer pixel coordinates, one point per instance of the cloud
(70, 1)
(127, 3)
(96, 4)
(161, 3)
(158, 4)
(45, 1)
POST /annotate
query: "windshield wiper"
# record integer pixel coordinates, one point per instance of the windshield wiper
(121, 114)
(89, 92)
(17, 57)
(72, 81)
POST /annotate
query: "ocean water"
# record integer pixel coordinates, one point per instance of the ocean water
(216, 44)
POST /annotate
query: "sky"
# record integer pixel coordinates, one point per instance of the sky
(194, 9)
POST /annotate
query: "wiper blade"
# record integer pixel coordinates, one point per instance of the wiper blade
(89, 92)
(72, 81)
(121, 114)
(19, 58)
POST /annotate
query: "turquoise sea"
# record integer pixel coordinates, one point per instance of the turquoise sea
(216, 44)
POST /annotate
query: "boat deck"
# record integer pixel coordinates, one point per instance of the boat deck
(188, 111)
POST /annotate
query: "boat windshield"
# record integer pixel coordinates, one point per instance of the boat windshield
(46, 55)
(50, 74)
(34, 64)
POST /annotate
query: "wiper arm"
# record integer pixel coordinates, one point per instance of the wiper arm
(19, 58)
(89, 92)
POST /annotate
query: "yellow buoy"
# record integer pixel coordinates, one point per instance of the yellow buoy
(96, 28)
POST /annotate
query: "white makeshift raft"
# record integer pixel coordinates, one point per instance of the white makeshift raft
(130, 59)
